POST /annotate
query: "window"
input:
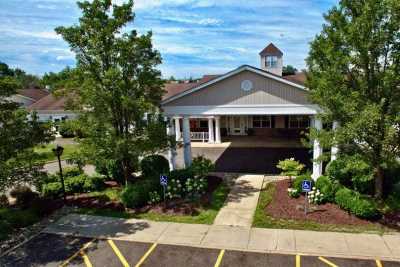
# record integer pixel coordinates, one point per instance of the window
(271, 61)
(203, 123)
(261, 121)
(299, 122)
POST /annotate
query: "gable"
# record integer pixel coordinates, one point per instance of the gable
(266, 91)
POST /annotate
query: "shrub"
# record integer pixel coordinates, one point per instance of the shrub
(5, 229)
(154, 166)
(290, 167)
(93, 183)
(53, 189)
(181, 175)
(356, 203)
(71, 172)
(315, 196)
(195, 187)
(201, 166)
(327, 187)
(136, 195)
(23, 195)
(75, 184)
(174, 189)
(154, 198)
(66, 129)
(4, 203)
(336, 170)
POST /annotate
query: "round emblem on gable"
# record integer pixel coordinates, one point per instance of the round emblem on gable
(246, 85)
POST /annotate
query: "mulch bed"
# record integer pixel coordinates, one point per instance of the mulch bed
(284, 207)
(172, 207)
(182, 207)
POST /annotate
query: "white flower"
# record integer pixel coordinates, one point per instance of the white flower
(313, 188)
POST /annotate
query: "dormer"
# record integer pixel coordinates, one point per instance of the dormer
(272, 59)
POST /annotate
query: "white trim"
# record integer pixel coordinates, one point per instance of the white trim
(229, 74)
(241, 110)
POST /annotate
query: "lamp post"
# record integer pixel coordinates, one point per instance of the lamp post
(58, 152)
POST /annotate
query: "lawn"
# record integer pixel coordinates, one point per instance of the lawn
(264, 220)
(46, 154)
(206, 215)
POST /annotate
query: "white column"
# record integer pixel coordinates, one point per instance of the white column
(187, 149)
(210, 130)
(317, 165)
(217, 130)
(172, 149)
(177, 129)
(334, 148)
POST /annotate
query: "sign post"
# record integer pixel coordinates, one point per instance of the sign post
(164, 183)
(306, 187)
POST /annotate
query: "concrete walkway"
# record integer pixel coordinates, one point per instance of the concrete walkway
(330, 244)
(241, 202)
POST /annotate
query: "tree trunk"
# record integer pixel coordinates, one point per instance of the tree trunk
(378, 182)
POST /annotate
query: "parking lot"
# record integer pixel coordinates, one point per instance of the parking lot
(56, 250)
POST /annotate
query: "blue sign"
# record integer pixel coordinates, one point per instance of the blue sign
(306, 186)
(163, 180)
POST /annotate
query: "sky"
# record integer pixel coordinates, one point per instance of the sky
(194, 37)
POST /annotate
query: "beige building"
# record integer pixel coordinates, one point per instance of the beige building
(246, 101)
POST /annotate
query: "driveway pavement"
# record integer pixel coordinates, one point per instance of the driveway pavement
(248, 160)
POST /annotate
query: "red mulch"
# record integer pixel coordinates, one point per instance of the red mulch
(284, 207)
(182, 207)
(85, 201)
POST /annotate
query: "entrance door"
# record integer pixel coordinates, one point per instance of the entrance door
(237, 125)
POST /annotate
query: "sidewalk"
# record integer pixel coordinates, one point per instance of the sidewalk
(241, 202)
(368, 246)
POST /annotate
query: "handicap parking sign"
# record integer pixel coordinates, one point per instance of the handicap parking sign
(163, 180)
(306, 186)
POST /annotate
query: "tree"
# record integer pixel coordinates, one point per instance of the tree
(354, 76)
(288, 70)
(119, 86)
(19, 133)
(23, 80)
(57, 80)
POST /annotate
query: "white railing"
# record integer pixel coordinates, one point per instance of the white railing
(199, 136)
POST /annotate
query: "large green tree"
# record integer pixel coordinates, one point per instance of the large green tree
(19, 133)
(354, 75)
(119, 84)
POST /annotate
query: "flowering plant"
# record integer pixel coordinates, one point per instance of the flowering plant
(194, 187)
(154, 198)
(174, 189)
(293, 192)
(315, 196)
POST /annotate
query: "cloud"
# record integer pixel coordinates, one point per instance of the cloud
(40, 34)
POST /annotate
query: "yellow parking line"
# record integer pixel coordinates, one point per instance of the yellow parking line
(378, 263)
(327, 262)
(146, 255)
(86, 259)
(219, 259)
(118, 253)
(76, 254)
(298, 260)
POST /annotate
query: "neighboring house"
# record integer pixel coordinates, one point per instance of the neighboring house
(244, 101)
(52, 108)
(27, 97)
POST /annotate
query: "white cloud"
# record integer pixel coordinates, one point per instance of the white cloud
(39, 34)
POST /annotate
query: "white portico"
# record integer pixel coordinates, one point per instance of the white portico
(244, 102)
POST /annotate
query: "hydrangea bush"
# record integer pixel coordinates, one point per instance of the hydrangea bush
(315, 196)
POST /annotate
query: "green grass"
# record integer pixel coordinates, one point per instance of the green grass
(263, 220)
(205, 216)
(12, 219)
(46, 154)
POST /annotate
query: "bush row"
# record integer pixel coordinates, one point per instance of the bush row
(75, 184)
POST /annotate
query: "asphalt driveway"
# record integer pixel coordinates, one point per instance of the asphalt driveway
(249, 160)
